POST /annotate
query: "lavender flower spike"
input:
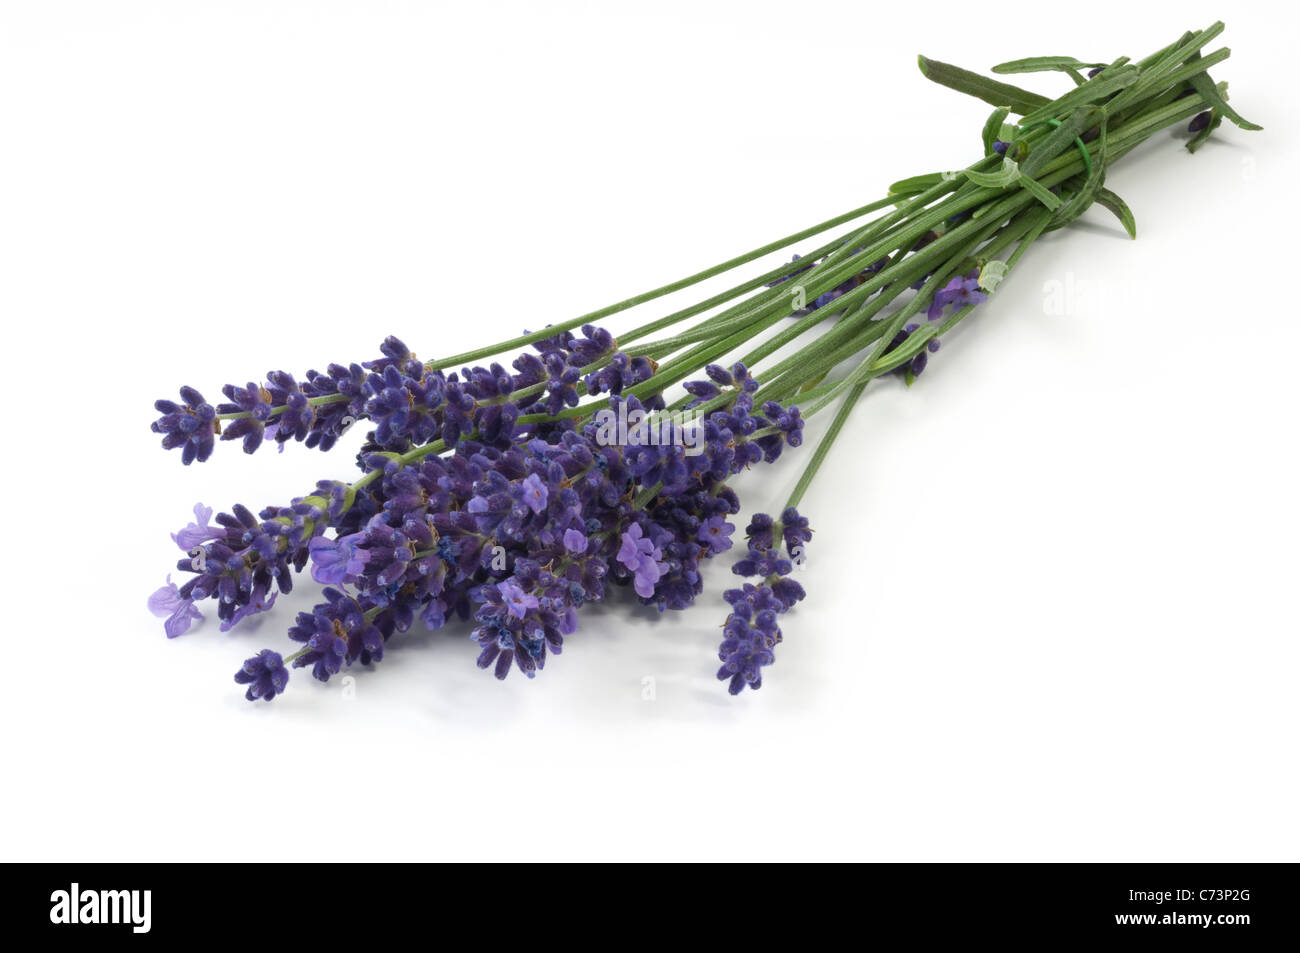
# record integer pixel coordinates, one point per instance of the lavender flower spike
(264, 674)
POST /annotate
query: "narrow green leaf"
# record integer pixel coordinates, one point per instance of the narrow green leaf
(1166, 71)
(1010, 174)
(919, 183)
(1090, 93)
(1060, 139)
(1202, 83)
(1017, 100)
(1191, 69)
(1041, 192)
(1109, 200)
(1007, 175)
(1193, 43)
(1042, 64)
(994, 126)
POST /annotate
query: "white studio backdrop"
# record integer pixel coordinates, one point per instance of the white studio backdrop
(1050, 610)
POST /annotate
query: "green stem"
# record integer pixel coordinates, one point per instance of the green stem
(531, 338)
(824, 445)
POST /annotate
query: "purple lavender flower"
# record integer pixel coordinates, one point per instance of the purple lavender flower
(620, 372)
(960, 292)
(794, 529)
(179, 612)
(751, 632)
(701, 391)
(517, 627)
(420, 541)
(786, 591)
(645, 578)
(561, 390)
(516, 601)
(595, 344)
(199, 532)
(715, 532)
(762, 562)
(748, 637)
(788, 420)
(720, 375)
(254, 401)
(296, 419)
(191, 425)
(759, 531)
(534, 493)
(635, 547)
(336, 632)
(338, 561)
(640, 556)
(264, 674)
(258, 601)
(912, 369)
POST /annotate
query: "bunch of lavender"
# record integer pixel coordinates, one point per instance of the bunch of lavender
(511, 496)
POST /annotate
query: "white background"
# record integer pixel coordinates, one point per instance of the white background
(1051, 595)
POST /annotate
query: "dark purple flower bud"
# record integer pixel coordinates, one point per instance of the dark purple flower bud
(794, 529)
(264, 674)
(191, 425)
(719, 375)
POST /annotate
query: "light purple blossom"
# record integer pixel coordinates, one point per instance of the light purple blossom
(535, 492)
(716, 533)
(517, 601)
(642, 557)
(199, 532)
(635, 547)
(338, 561)
(269, 434)
(179, 613)
(434, 615)
(960, 293)
(646, 576)
(575, 541)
